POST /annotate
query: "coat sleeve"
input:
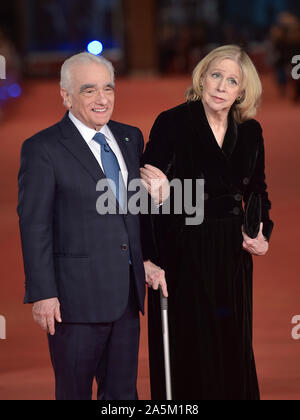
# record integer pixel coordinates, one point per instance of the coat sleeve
(159, 152)
(258, 184)
(159, 149)
(36, 182)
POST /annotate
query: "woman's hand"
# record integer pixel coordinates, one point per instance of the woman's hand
(156, 183)
(257, 246)
(155, 277)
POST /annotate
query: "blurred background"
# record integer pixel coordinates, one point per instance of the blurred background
(165, 36)
(154, 46)
(149, 37)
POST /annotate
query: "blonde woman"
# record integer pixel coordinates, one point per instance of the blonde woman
(208, 267)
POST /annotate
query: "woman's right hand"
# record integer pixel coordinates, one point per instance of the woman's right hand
(258, 246)
(156, 183)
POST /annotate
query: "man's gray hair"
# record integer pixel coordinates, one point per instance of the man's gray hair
(81, 58)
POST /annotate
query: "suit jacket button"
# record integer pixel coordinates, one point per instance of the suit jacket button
(124, 247)
(236, 211)
(246, 181)
(238, 197)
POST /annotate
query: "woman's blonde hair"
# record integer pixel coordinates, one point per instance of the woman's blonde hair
(245, 108)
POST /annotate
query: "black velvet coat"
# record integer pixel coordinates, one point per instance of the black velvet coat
(209, 275)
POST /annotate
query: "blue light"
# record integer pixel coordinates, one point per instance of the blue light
(95, 47)
(14, 90)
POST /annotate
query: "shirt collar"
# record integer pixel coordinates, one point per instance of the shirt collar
(87, 132)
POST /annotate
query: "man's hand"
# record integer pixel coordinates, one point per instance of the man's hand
(155, 277)
(257, 246)
(45, 312)
(156, 183)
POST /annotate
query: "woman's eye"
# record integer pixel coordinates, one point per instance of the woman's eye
(215, 75)
(232, 81)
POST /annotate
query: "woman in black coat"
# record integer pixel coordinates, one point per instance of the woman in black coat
(208, 266)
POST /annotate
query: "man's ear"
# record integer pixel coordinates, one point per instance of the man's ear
(66, 98)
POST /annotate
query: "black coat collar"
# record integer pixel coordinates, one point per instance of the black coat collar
(200, 123)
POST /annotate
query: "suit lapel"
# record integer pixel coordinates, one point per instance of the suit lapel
(73, 141)
(125, 145)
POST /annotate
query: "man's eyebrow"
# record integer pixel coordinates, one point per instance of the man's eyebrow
(91, 86)
(87, 86)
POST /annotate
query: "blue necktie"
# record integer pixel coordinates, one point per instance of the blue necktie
(111, 169)
(112, 172)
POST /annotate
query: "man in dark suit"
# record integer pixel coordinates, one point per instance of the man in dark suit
(84, 270)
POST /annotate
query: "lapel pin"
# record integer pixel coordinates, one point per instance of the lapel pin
(127, 139)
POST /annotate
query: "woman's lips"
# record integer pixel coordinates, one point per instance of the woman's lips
(217, 99)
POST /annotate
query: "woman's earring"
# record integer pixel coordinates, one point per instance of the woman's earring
(240, 99)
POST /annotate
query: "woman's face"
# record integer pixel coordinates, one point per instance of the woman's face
(221, 85)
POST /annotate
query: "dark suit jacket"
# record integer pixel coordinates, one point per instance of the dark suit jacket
(69, 250)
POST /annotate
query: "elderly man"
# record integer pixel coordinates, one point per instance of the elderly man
(84, 270)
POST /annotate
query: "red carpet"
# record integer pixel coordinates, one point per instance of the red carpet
(25, 371)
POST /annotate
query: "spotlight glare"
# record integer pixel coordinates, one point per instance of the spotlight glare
(14, 90)
(95, 47)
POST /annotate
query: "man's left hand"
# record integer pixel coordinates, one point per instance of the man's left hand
(155, 277)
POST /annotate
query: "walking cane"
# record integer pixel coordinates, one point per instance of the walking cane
(165, 332)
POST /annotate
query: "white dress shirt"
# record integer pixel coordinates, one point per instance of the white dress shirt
(88, 134)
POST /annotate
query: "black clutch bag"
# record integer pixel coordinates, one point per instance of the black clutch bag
(252, 218)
